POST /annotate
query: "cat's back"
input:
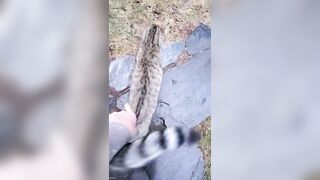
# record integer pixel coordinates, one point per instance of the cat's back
(146, 78)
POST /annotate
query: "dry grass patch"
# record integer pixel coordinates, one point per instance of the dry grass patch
(204, 129)
(127, 20)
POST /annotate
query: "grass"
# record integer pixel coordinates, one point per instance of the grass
(127, 20)
(204, 129)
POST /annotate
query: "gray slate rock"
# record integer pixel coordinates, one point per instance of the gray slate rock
(184, 163)
(200, 39)
(122, 100)
(185, 101)
(120, 71)
(171, 53)
(185, 92)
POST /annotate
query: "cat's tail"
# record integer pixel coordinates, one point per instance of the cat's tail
(142, 151)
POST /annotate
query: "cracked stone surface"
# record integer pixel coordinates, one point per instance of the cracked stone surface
(184, 163)
(170, 54)
(185, 90)
(199, 40)
(184, 100)
(120, 71)
(122, 100)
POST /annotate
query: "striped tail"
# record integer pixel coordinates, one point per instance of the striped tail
(142, 151)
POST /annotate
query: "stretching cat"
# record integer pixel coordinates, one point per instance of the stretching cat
(143, 98)
(146, 80)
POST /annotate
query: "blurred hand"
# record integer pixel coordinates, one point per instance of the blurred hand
(126, 118)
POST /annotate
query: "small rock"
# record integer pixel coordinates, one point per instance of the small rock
(200, 39)
(171, 53)
(122, 100)
(120, 71)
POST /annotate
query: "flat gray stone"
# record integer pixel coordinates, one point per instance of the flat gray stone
(122, 100)
(120, 71)
(185, 92)
(200, 39)
(171, 53)
(184, 101)
(184, 163)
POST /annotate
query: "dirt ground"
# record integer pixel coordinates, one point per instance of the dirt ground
(127, 20)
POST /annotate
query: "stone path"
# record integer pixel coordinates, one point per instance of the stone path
(184, 99)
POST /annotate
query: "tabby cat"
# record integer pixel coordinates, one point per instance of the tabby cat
(143, 99)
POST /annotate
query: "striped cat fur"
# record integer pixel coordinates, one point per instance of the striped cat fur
(140, 152)
(146, 80)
